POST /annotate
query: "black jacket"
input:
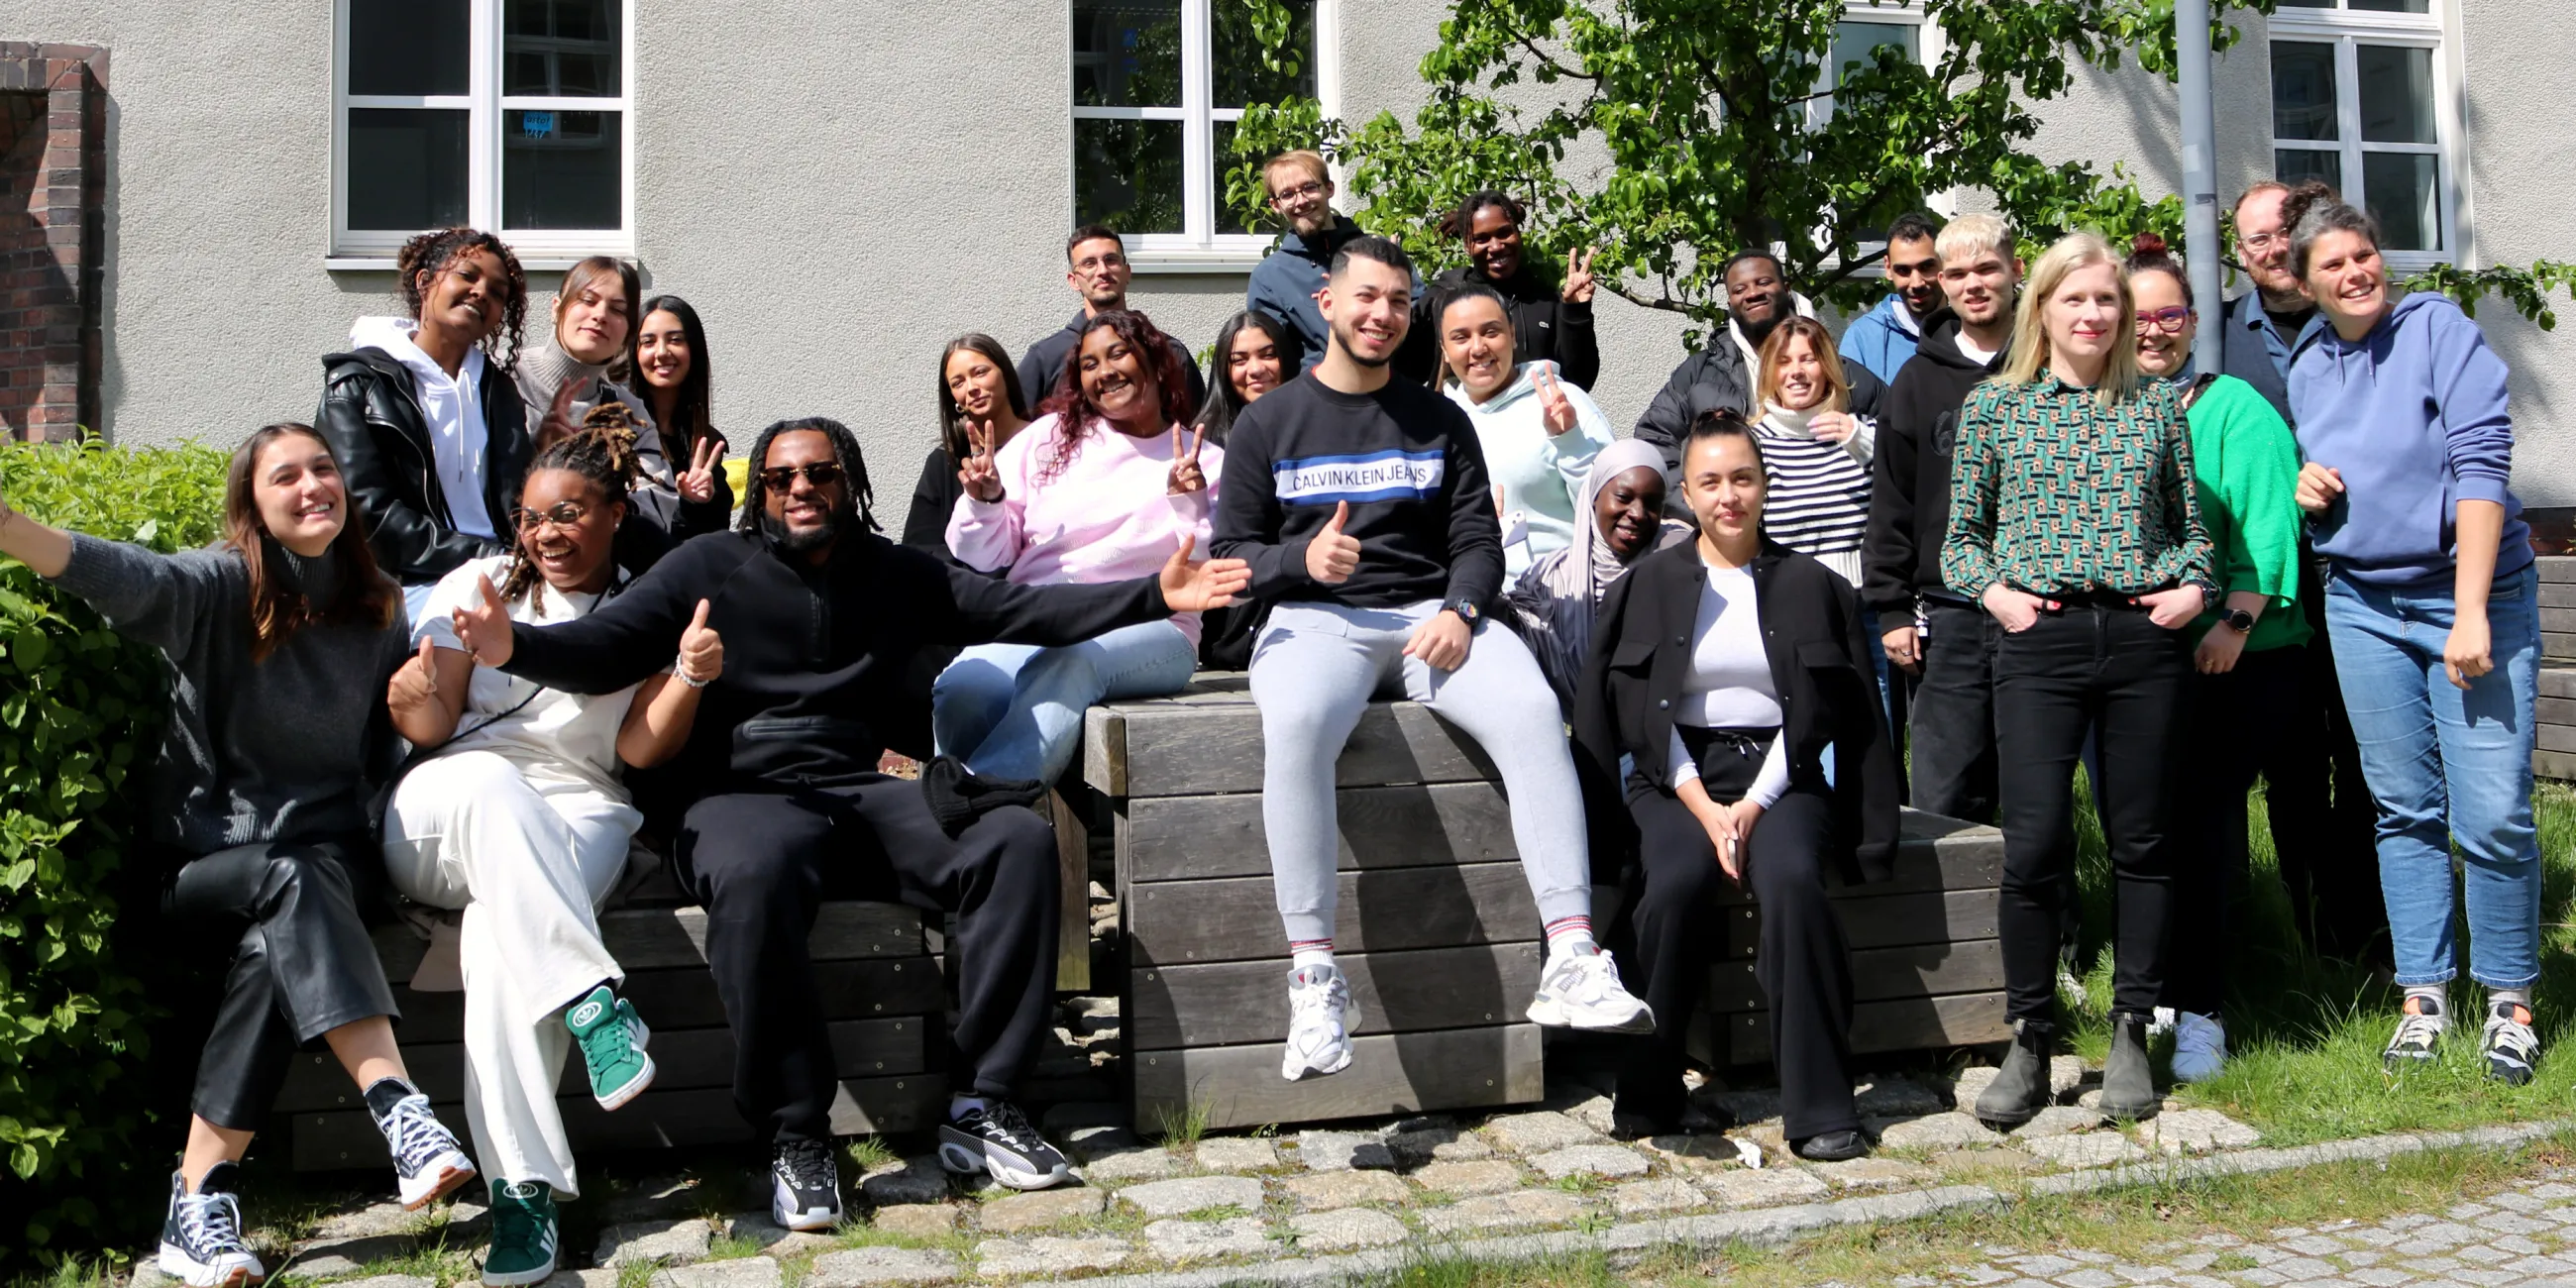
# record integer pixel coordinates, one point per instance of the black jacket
(371, 416)
(1718, 376)
(1544, 325)
(1909, 495)
(817, 660)
(1812, 628)
(1042, 368)
(934, 499)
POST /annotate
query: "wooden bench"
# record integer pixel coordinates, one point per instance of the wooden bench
(1438, 933)
(878, 985)
(2554, 749)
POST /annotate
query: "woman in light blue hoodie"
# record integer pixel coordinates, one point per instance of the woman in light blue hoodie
(2432, 605)
(1539, 433)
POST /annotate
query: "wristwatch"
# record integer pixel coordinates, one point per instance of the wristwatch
(1465, 609)
(2237, 620)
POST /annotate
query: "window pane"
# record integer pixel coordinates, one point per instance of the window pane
(1854, 41)
(406, 168)
(562, 170)
(2303, 90)
(561, 47)
(407, 47)
(2394, 6)
(1127, 53)
(1221, 136)
(2296, 165)
(2396, 94)
(1236, 51)
(2397, 188)
(2307, 4)
(1127, 174)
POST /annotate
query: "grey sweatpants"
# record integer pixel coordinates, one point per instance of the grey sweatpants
(1314, 670)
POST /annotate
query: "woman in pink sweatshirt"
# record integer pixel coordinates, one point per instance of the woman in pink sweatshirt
(1101, 488)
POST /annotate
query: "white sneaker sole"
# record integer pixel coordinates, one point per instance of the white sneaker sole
(435, 1181)
(521, 1278)
(227, 1273)
(807, 1221)
(1548, 1012)
(1296, 1070)
(962, 1159)
(634, 1087)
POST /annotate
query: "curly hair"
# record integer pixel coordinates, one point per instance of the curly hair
(1071, 404)
(1455, 223)
(278, 607)
(604, 453)
(429, 254)
(845, 449)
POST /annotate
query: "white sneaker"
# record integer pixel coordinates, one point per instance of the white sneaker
(1581, 990)
(2200, 1047)
(1321, 1016)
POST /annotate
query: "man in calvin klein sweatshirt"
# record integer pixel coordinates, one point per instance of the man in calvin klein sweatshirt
(1362, 504)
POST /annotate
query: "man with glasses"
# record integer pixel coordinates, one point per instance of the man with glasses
(1096, 268)
(779, 804)
(1284, 285)
(2265, 323)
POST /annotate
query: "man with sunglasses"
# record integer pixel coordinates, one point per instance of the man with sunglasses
(1284, 285)
(779, 804)
(1097, 268)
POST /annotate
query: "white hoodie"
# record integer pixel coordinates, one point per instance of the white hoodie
(1540, 475)
(453, 410)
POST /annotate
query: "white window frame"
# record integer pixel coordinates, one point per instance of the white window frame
(1200, 248)
(1931, 43)
(486, 105)
(2348, 29)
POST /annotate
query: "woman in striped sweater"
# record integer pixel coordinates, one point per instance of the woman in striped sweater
(1815, 450)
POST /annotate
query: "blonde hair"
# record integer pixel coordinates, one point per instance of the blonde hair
(1766, 386)
(1971, 235)
(2028, 361)
(1307, 159)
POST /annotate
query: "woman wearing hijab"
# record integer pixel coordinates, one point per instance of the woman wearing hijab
(1553, 603)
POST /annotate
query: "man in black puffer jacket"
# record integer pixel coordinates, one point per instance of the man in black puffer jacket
(1723, 375)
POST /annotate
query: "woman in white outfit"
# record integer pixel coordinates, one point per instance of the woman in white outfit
(514, 813)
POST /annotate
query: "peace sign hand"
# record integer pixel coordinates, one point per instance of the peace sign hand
(558, 424)
(1186, 475)
(1579, 281)
(698, 485)
(1555, 410)
(977, 474)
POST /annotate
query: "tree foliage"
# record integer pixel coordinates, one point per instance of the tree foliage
(1671, 133)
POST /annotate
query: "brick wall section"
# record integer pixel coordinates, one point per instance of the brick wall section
(53, 187)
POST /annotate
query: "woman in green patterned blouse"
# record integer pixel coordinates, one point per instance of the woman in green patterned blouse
(2073, 521)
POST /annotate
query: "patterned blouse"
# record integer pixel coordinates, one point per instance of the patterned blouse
(2052, 494)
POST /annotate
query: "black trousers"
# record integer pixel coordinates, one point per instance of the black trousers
(2235, 725)
(2103, 666)
(1950, 726)
(2322, 817)
(302, 963)
(762, 863)
(1801, 962)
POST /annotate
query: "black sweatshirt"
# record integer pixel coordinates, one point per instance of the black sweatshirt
(815, 658)
(1909, 498)
(1406, 459)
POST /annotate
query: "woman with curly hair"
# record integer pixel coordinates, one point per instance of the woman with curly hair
(1102, 488)
(424, 412)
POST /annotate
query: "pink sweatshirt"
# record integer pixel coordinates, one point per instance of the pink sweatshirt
(1103, 517)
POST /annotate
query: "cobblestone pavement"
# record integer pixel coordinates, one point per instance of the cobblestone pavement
(2523, 1236)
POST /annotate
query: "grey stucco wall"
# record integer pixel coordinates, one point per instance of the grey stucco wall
(840, 188)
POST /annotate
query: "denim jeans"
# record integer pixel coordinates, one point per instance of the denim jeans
(1015, 710)
(2447, 766)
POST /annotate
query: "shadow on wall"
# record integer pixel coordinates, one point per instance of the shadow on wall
(32, 281)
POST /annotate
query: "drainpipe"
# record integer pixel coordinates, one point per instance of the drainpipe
(2199, 176)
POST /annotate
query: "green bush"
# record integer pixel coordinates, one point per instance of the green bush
(79, 707)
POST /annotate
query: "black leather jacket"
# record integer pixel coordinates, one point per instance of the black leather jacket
(371, 416)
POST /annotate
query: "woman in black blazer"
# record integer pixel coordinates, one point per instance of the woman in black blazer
(1723, 670)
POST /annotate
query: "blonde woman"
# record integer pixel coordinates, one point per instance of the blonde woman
(2073, 521)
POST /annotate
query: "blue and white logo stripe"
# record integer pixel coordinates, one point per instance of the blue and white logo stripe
(1371, 476)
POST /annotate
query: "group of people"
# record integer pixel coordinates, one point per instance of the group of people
(495, 614)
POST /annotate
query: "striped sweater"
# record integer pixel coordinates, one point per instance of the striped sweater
(1819, 490)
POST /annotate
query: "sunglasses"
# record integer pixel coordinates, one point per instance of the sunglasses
(820, 474)
(2170, 321)
(562, 516)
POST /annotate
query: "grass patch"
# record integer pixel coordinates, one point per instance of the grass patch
(1182, 1126)
(868, 1153)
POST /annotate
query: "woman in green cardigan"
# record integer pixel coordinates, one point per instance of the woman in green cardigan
(2246, 693)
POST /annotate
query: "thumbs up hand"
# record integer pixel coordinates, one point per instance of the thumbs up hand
(484, 629)
(414, 685)
(701, 651)
(1333, 555)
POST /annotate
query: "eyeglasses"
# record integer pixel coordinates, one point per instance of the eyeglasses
(1309, 190)
(2170, 321)
(820, 474)
(562, 516)
(1099, 262)
(2263, 241)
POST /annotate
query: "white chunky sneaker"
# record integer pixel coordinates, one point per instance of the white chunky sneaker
(1581, 990)
(201, 1235)
(428, 1163)
(1321, 1016)
(2200, 1047)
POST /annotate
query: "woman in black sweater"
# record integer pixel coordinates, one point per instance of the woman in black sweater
(1724, 669)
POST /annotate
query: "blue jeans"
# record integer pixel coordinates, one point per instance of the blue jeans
(1015, 710)
(2447, 766)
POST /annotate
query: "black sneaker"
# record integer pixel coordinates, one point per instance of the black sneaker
(428, 1163)
(804, 1185)
(201, 1237)
(998, 1139)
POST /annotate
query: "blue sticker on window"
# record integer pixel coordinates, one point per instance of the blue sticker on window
(537, 125)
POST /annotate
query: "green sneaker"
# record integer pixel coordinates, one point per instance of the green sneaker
(612, 1041)
(523, 1233)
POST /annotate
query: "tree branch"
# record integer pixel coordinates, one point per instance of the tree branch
(1667, 304)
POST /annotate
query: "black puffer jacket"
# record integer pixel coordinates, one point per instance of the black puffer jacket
(371, 416)
(1718, 376)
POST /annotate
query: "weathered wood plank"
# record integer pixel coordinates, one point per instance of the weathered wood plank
(1170, 923)
(1878, 975)
(685, 997)
(1886, 921)
(682, 1060)
(2558, 594)
(643, 938)
(1173, 838)
(2555, 737)
(2558, 646)
(1193, 750)
(1240, 1086)
(1239, 1002)
(1935, 853)
(2557, 567)
(2557, 680)
(343, 1139)
(1073, 886)
(1911, 1024)
(2558, 765)
(2558, 621)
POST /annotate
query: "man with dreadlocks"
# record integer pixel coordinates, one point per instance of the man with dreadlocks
(821, 617)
